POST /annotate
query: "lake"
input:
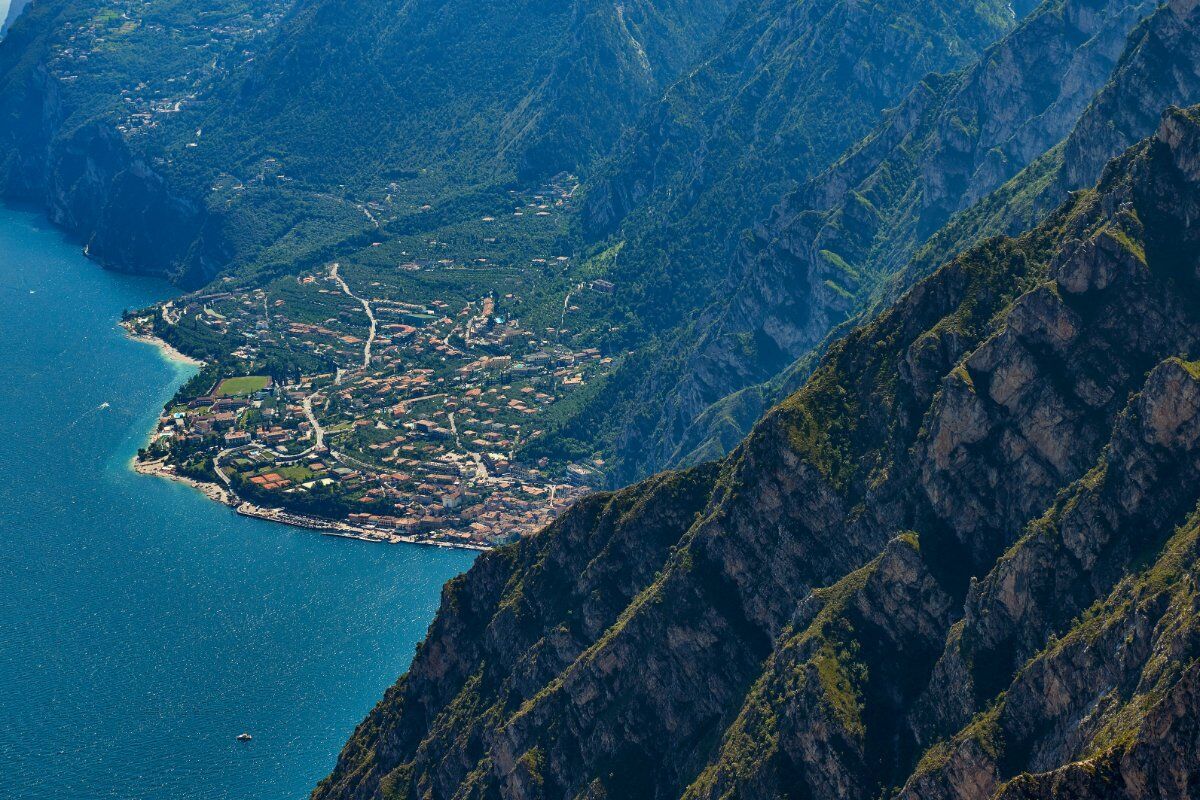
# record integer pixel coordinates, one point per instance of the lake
(142, 626)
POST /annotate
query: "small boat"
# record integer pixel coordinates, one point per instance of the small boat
(244, 737)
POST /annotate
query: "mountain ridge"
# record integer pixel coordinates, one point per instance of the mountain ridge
(1160, 45)
(1025, 393)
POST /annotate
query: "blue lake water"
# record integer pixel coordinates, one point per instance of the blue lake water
(142, 627)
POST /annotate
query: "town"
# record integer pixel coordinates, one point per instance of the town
(347, 409)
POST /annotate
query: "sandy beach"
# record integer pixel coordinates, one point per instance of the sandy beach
(168, 351)
(160, 469)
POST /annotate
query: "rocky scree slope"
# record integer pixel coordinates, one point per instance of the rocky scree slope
(959, 562)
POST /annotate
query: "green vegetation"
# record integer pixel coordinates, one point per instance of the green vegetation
(241, 386)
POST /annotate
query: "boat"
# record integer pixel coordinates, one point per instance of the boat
(244, 737)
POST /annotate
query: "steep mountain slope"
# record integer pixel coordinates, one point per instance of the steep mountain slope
(785, 88)
(268, 131)
(451, 87)
(760, 99)
(959, 562)
(825, 248)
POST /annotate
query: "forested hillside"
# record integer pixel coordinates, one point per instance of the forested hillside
(280, 133)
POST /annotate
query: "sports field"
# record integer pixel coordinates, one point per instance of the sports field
(247, 384)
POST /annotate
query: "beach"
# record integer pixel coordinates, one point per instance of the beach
(169, 352)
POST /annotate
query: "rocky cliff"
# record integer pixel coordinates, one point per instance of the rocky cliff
(1071, 87)
(959, 562)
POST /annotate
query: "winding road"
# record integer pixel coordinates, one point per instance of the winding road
(333, 273)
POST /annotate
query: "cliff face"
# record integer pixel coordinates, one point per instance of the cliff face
(1159, 67)
(89, 181)
(1085, 74)
(129, 216)
(14, 9)
(1163, 60)
(959, 562)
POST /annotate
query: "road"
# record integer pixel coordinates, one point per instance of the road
(566, 302)
(333, 273)
(318, 431)
(481, 473)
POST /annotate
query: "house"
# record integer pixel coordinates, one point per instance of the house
(237, 438)
(452, 499)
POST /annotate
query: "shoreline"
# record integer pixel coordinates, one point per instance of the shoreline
(226, 497)
(167, 350)
(326, 527)
(160, 469)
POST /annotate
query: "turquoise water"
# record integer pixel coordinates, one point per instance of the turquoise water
(142, 627)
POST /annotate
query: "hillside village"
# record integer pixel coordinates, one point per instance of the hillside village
(397, 420)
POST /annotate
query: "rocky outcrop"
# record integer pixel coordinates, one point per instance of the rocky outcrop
(1160, 67)
(960, 561)
(817, 724)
